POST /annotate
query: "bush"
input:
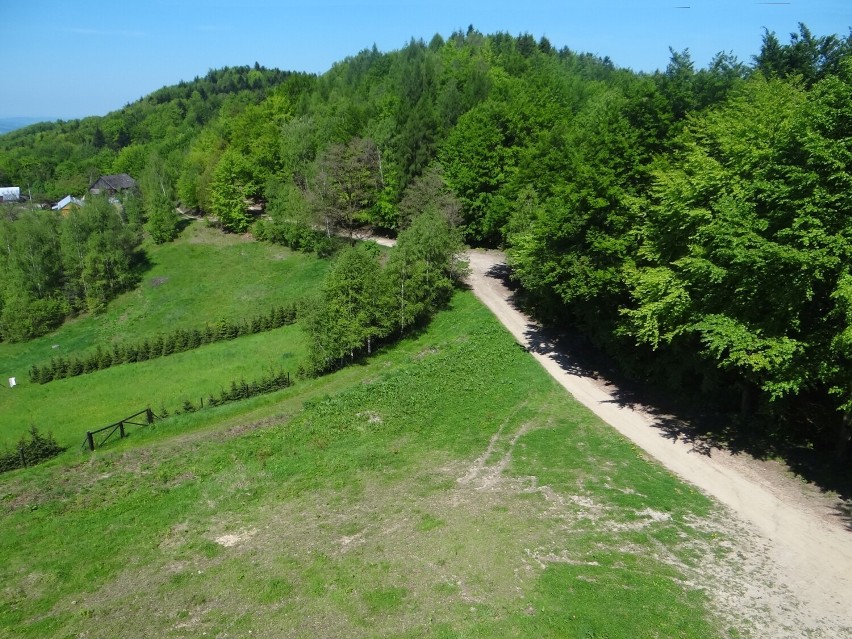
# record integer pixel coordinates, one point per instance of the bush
(30, 451)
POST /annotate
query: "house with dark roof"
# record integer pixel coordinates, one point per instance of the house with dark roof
(113, 184)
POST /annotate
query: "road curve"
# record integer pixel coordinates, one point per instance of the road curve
(809, 549)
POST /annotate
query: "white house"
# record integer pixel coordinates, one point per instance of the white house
(10, 193)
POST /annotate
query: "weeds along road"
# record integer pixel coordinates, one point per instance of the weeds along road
(803, 585)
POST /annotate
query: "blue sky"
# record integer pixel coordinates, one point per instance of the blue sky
(71, 59)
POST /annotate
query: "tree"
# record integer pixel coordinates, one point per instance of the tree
(346, 185)
(743, 258)
(429, 192)
(158, 200)
(480, 160)
(291, 221)
(424, 267)
(31, 301)
(570, 246)
(807, 57)
(351, 312)
(98, 254)
(231, 186)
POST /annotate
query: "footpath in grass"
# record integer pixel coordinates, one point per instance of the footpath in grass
(201, 277)
(445, 488)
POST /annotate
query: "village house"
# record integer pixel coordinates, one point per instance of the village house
(65, 205)
(112, 185)
(10, 193)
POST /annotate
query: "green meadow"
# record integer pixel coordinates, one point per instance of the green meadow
(203, 277)
(446, 487)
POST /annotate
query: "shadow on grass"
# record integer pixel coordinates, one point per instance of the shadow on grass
(681, 417)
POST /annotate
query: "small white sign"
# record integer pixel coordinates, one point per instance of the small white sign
(12, 382)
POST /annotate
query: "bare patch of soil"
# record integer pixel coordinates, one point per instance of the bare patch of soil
(235, 539)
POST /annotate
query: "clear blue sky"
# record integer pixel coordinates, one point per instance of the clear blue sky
(68, 59)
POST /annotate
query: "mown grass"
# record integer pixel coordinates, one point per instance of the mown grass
(71, 406)
(204, 276)
(445, 488)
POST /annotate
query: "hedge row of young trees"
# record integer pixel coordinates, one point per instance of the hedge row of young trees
(273, 381)
(177, 341)
(368, 298)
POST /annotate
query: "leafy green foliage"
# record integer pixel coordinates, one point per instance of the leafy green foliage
(158, 199)
(98, 254)
(347, 184)
(230, 189)
(52, 265)
(364, 300)
(291, 221)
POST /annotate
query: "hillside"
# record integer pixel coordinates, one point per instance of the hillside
(196, 281)
(446, 486)
(12, 124)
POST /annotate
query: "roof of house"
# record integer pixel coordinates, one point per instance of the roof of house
(116, 182)
(68, 199)
(10, 192)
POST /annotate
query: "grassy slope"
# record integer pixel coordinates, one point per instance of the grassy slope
(445, 488)
(202, 277)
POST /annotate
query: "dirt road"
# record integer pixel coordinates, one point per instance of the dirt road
(795, 576)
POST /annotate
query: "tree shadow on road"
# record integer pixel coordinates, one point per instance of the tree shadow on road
(678, 417)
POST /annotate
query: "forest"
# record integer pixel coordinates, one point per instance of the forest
(692, 223)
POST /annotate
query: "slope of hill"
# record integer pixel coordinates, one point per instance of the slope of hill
(200, 279)
(14, 123)
(445, 487)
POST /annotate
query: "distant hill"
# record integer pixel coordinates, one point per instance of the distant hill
(10, 124)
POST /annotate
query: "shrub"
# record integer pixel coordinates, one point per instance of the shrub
(30, 450)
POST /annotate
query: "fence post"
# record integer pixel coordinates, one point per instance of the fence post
(121, 429)
(90, 439)
(150, 415)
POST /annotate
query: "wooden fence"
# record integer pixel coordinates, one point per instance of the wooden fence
(119, 427)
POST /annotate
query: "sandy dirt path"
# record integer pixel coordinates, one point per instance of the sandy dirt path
(801, 584)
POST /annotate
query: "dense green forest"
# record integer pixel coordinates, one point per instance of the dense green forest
(693, 222)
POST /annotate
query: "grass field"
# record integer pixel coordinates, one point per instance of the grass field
(204, 276)
(445, 488)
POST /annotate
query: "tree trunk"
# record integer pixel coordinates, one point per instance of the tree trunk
(844, 439)
(746, 399)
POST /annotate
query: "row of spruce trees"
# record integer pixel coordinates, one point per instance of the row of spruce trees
(177, 341)
(273, 381)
